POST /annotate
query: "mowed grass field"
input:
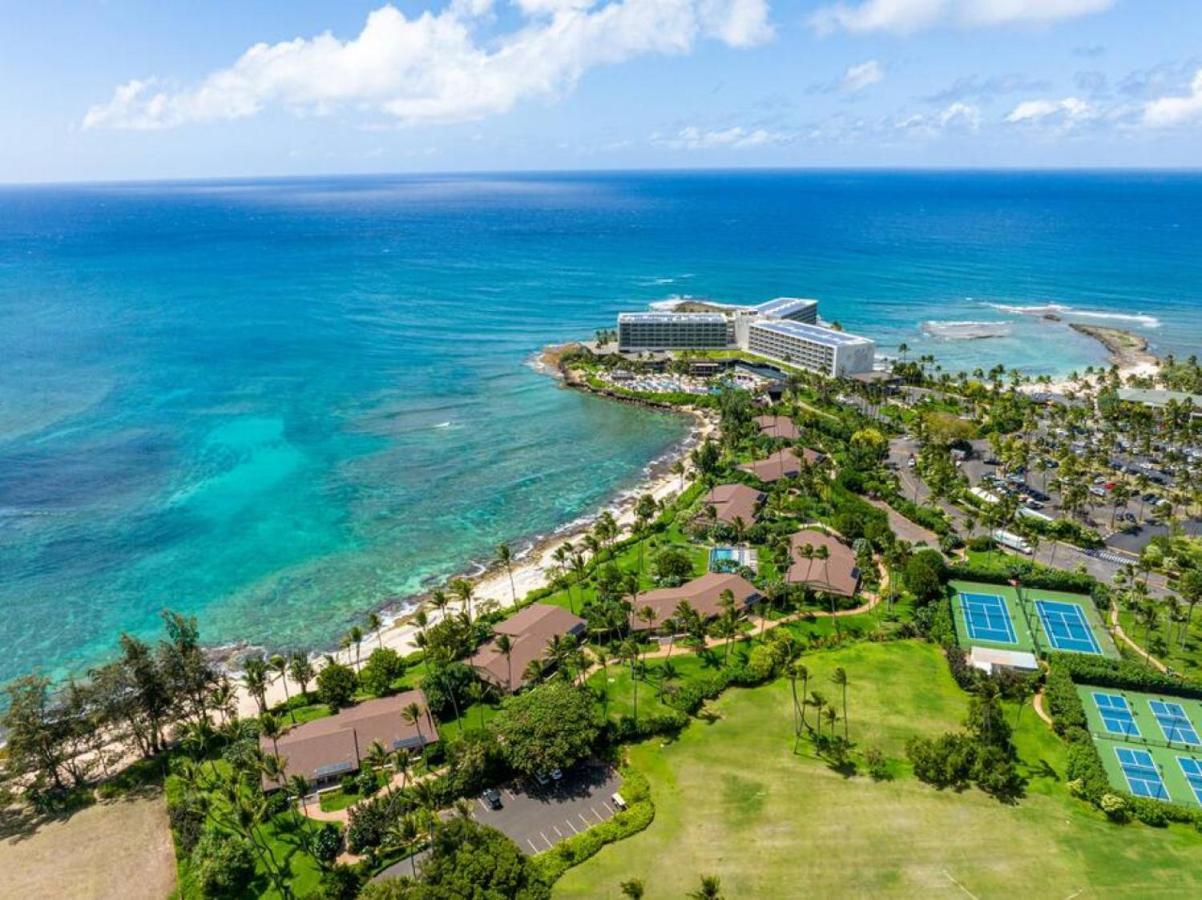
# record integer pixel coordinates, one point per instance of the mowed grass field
(733, 800)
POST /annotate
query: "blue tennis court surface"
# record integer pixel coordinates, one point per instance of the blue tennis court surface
(987, 619)
(1142, 775)
(1192, 769)
(1066, 626)
(1116, 714)
(1174, 723)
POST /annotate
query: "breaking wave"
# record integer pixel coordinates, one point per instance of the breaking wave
(1070, 312)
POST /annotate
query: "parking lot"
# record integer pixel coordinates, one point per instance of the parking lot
(537, 818)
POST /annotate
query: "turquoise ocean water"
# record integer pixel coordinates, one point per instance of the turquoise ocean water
(276, 404)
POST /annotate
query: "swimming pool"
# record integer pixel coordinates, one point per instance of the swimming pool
(727, 557)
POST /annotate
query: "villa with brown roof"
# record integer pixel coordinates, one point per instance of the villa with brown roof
(782, 464)
(703, 594)
(530, 631)
(324, 750)
(734, 501)
(781, 427)
(838, 574)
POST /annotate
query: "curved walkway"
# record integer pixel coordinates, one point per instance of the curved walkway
(1037, 705)
(1118, 631)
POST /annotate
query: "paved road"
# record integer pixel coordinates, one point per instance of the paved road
(538, 818)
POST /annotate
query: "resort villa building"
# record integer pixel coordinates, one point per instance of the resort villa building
(838, 574)
(704, 594)
(529, 633)
(782, 464)
(734, 501)
(324, 750)
(778, 427)
(784, 330)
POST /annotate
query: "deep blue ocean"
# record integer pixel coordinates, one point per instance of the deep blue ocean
(276, 404)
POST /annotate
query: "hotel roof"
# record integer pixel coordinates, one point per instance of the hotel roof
(784, 306)
(815, 333)
(778, 427)
(670, 317)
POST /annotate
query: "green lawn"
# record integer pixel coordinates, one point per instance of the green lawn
(733, 800)
(1165, 639)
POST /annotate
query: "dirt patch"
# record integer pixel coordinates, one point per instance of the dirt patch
(114, 849)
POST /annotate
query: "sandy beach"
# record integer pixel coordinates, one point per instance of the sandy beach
(1126, 349)
(531, 569)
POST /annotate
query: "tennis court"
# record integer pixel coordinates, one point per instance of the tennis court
(987, 619)
(1174, 723)
(1147, 741)
(1066, 627)
(1192, 770)
(1143, 778)
(990, 615)
(1116, 714)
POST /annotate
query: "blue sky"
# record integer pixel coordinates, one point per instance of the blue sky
(126, 89)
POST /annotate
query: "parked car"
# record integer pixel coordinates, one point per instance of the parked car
(618, 801)
(493, 798)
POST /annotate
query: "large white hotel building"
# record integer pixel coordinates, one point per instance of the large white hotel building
(785, 329)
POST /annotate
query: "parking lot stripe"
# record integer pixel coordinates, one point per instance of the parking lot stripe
(608, 808)
(545, 838)
(587, 823)
(533, 849)
(575, 830)
(557, 831)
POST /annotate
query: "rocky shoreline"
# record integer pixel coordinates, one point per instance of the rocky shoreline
(1127, 350)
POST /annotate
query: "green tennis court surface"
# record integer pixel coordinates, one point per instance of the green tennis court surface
(1149, 743)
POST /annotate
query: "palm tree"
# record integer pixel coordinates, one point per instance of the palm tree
(533, 673)
(376, 756)
(222, 699)
(831, 717)
(412, 715)
(711, 889)
(269, 727)
(839, 677)
(462, 588)
(354, 636)
(476, 693)
(376, 624)
(799, 670)
(301, 671)
(632, 888)
(254, 678)
(401, 761)
(678, 469)
(279, 665)
(647, 614)
(728, 626)
(403, 833)
(505, 648)
(628, 652)
(505, 558)
(300, 787)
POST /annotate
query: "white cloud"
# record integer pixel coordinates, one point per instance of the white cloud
(866, 74)
(736, 137)
(958, 116)
(1167, 112)
(1064, 113)
(906, 16)
(432, 67)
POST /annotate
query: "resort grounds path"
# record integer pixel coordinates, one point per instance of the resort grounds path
(1118, 631)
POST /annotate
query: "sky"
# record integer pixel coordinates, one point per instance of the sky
(153, 89)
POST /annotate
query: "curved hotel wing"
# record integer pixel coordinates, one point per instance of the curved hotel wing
(784, 329)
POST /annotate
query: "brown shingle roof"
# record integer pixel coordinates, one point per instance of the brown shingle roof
(837, 574)
(701, 593)
(731, 501)
(778, 427)
(530, 631)
(782, 463)
(332, 746)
